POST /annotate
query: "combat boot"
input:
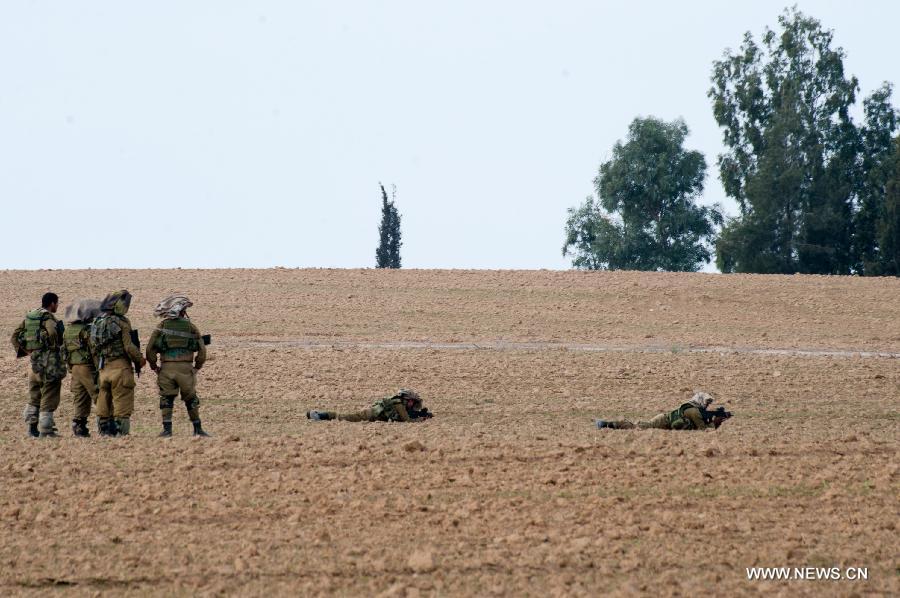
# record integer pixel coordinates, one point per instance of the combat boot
(122, 426)
(106, 426)
(198, 430)
(46, 425)
(318, 415)
(604, 424)
(33, 430)
(80, 429)
(166, 431)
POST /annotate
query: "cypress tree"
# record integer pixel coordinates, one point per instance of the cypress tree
(387, 255)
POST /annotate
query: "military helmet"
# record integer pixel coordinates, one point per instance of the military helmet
(410, 395)
(701, 399)
(117, 302)
(83, 310)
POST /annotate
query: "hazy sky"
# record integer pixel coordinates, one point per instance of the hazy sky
(226, 134)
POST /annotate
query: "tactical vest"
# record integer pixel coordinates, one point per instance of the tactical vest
(176, 337)
(386, 409)
(35, 337)
(106, 337)
(75, 340)
(677, 420)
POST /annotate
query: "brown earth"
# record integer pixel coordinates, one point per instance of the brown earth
(509, 490)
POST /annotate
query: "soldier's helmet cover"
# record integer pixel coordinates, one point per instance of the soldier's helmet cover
(411, 395)
(83, 310)
(701, 399)
(172, 307)
(117, 302)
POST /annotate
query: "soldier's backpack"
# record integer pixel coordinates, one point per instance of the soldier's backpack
(77, 350)
(677, 420)
(386, 409)
(106, 336)
(35, 337)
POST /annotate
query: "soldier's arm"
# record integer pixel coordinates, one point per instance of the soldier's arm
(54, 339)
(200, 357)
(152, 353)
(86, 338)
(14, 339)
(133, 353)
(402, 413)
(693, 414)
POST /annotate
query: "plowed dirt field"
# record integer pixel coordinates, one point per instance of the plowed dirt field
(510, 489)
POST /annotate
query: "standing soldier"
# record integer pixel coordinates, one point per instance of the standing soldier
(40, 336)
(81, 361)
(111, 341)
(175, 341)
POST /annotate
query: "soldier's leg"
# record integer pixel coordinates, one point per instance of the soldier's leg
(186, 378)
(123, 399)
(187, 384)
(104, 404)
(50, 393)
(166, 404)
(168, 391)
(660, 422)
(622, 424)
(84, 392)
(33, 405)
(366, 415)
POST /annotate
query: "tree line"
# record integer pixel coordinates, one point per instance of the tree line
(817, 191)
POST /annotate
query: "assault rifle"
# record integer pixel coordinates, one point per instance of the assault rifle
(136, 340)
(422, 413)
(709, 416)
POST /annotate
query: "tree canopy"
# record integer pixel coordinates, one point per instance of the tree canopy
(646, 216)
(809, 182)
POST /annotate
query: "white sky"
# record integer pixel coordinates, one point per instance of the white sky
(254, 134)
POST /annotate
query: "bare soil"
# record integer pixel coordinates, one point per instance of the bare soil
(509, 490)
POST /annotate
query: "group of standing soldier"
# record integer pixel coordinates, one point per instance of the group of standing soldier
(100, 350)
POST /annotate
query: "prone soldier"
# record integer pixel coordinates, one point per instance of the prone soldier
(405, 406)
(175, 341)
(692, 415)
(40, 336)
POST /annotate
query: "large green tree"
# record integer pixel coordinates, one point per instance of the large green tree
(646, 217)
(794, 157)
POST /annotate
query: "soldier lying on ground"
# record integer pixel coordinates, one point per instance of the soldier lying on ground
(405, 406)
(692, 415)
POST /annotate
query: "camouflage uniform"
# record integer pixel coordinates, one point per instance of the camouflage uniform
(40, 336)
(82, 364)
(176, 341)
(687, 417)
(390, 409)
(110, 340)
